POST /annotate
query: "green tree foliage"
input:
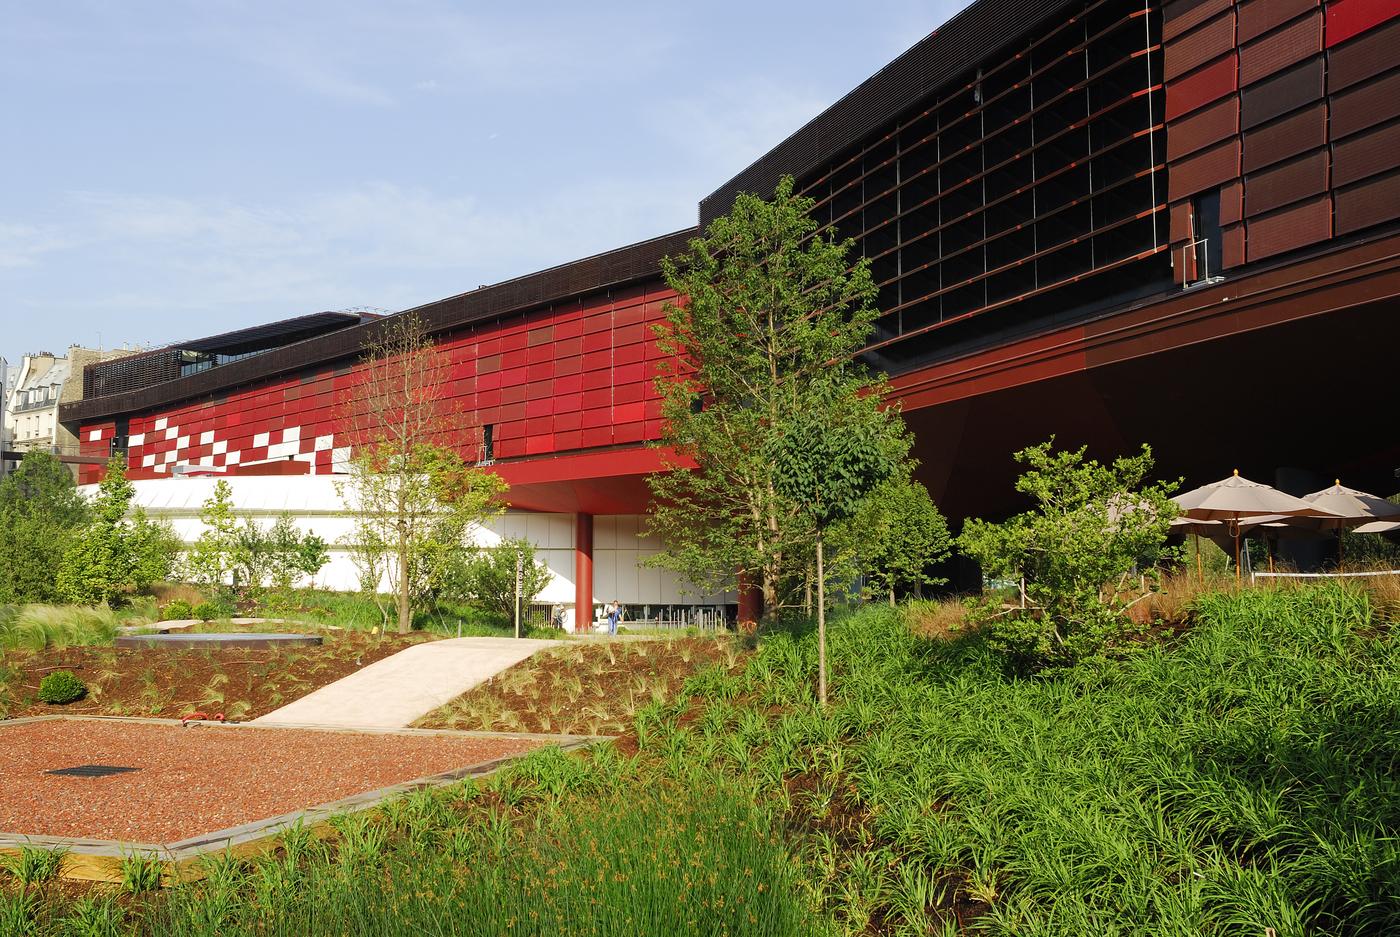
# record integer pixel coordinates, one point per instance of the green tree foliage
(773, 314)
(41, 512)
(827, 459)
(895, 537)
(1086, 551)
(276, 555)
(155, 550)
(210, 561)
(113, 553)
(486, 577)
(413, 511)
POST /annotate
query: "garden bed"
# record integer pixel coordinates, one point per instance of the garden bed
(587, 688)
(188, 781)
(241, 683)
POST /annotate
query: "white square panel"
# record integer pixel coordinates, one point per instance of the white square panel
(233, 458)
(94, 435)
(162, 423)
(220, 447)
(206, 438)
(137, 439)
(182, 443)
(260, 440)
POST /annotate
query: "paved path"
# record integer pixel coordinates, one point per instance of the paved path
(394, 692)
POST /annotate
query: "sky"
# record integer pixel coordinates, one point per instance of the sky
(172, 169)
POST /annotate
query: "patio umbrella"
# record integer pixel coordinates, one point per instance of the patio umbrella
(1352, 508)
(1234, 498)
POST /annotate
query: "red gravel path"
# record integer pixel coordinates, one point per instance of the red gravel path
(203, 778)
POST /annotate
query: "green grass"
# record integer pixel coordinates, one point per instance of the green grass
(36, 627)
(355, 610)
(1239, 779)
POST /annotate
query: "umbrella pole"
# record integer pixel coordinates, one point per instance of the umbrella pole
(1237, 550)
(1341, 567)
(1269, 548)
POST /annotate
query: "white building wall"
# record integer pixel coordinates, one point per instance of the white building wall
(316, 506)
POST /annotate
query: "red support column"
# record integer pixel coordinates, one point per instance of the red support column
(583, 573)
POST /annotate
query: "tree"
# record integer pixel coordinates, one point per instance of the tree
(211, 561)
(154, 550)
(41, 512)
(827, 459)
(486, 577)
(895, 537)
(408, 490)
(275, 556)
(99, 564)
(772, 310)
(1093, 527)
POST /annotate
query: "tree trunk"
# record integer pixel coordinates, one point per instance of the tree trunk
(405, 611)
(821, 624)
(891, 595)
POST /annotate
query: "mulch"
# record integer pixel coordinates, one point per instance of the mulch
(199, 779)
(242, 683)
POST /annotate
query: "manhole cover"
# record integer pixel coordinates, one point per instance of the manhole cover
(92, 771)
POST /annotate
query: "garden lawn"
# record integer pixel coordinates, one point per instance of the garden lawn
(1240, 778)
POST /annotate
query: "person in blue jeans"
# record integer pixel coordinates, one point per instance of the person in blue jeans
(614, 614)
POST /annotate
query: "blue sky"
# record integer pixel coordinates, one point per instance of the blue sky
(175, 168)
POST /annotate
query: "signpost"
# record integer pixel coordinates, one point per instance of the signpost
(519, 569)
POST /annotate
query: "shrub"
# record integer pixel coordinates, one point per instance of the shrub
(61, 687)
(179, 610)
(1079, 552)
(207, 611)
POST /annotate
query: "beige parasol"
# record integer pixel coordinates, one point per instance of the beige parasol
(1234, 498)
(1352, 508)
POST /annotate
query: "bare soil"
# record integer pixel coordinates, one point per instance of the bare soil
(199, 779)
(169, 683)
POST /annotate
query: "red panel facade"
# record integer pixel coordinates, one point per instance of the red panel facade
(575, 375)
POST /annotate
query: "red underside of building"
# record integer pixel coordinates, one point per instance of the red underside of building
(1109, 221)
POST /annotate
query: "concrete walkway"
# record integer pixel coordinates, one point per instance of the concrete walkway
(396, 691)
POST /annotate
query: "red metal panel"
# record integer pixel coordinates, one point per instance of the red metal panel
(1199, 46)
(1259, 16)
(1232, 245)
(1183, 15)
(1368, 55)
(1207, 126)
(1285, 184)
(1201, 87)
(1297, 226)
(1365, 106)
(1232, 203)
(1290, 136)
(1349, 18)
(1366, 154)
(1368, 203)
(1277, 95)
(1281, 48)
(1209, 168)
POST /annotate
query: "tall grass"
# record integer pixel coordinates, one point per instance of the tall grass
(1239, 778)
(554, 846)
(36, 627)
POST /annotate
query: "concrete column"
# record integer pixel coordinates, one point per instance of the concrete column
(583, 573)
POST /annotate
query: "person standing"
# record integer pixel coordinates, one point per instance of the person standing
(614, 612)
